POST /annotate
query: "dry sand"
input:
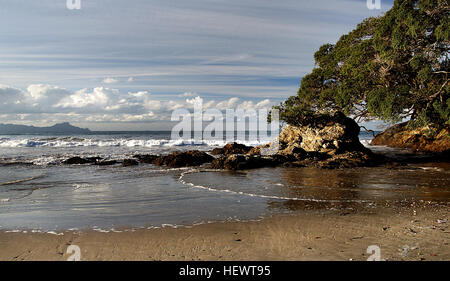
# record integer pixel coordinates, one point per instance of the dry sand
(409, 234)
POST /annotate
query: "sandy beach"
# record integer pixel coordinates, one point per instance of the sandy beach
(412, 233)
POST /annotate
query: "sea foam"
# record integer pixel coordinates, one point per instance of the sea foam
(119, 142)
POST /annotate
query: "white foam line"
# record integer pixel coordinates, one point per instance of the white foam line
(182, 181)
(118, 142)
(169, 170)
(431, 168)
(102, 230)
(169, 225)
(54, 233)
(34, 231)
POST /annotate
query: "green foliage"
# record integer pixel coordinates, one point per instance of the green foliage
(391, 67)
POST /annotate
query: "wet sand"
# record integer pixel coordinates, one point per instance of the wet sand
(408, 233)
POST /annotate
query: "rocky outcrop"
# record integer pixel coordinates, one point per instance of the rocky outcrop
(426, 139)
(232, 148)
(331, 142)
(146, 159)
(106, 163)
(184, 159)
(335, 134)
(257, 149)
(338, 161)
(80, 161)
(174, 160)
(235, 162)
(177, 159)
(89, 160)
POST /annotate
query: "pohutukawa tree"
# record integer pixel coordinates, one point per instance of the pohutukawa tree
(390, 67)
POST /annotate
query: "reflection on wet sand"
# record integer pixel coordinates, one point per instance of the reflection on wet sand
(351, 189)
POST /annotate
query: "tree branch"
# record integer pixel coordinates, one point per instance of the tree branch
(367, 130)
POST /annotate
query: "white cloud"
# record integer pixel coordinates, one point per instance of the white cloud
(187, 94)
(227, 104)
(10, 95)
(45, 103)
(264, 104)
(194, 101)
(110, 80)
(99, 97)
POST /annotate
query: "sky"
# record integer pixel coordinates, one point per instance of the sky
(126, 65)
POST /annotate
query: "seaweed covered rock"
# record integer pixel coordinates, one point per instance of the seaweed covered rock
(232, 148)
(106, 163)
(146, 159)
(184, 159)
(345, 160)
(258, 149)
(243, 162)
(129, 162)
(80, 161)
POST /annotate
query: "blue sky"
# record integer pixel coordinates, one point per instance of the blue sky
(127, 64)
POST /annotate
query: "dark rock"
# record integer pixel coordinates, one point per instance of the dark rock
(94, 159)
(257, 149)
(184, 159)
(243, 162)
(349, 160)
(129, 162)
(78, 161)
(232, 148)
(217, 151)
(294, 164)
(106, 163)
(146, 159)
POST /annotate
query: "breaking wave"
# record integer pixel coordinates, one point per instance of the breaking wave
(120, 142)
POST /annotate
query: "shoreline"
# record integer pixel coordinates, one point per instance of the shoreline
(409, 233)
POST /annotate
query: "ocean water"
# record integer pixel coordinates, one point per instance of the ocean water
(38, 193)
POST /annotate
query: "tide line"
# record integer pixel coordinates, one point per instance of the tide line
(182, 181)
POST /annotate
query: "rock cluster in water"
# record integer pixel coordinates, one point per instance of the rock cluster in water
(174, 160)
(232, 148)
(331, 142)
(184, 159)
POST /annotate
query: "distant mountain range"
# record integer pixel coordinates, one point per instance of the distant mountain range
(62, 128)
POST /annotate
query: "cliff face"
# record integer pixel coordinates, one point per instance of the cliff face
(418, 140)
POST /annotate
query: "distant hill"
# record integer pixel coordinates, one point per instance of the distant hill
(62, 128)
